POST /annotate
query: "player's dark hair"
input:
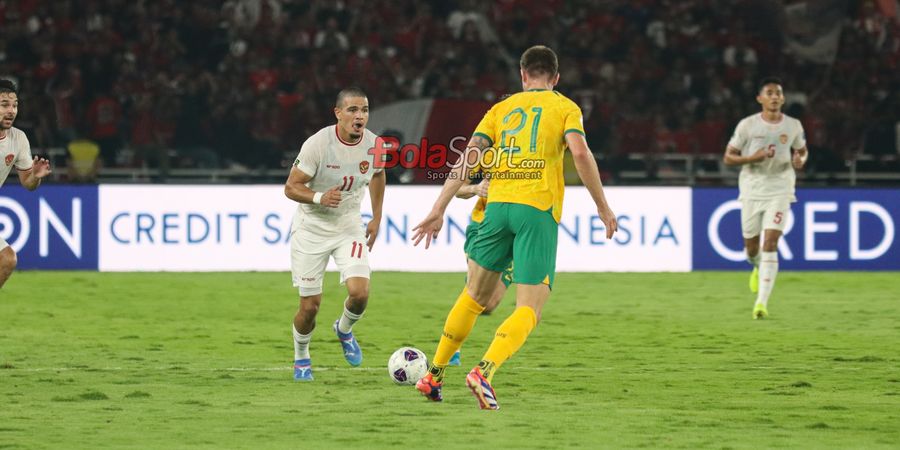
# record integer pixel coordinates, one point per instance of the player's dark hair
(539, 60)
(7, 86)
(351, 91)
(767, 81)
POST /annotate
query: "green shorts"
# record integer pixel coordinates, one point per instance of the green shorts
(471, 234)
(519, 234)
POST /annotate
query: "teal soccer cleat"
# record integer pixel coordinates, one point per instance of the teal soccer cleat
(352, 352)
(303, 370)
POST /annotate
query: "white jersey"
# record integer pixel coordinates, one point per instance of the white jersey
(332, 162)
(15, 151)
(774, 177)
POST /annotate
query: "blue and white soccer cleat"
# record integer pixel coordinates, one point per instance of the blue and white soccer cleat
(303, 370)
(454, 360)
(352, 352)
(482, 390)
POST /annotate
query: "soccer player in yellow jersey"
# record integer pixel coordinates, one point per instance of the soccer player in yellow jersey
(528, 132)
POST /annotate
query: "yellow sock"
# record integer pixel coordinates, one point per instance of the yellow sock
(457, 327)
(508, 339)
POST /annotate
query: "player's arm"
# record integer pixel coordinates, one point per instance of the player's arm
(799, 158)
(376, 196)
(586, 166)
(733, 156)
(470, 190)
(467, 190)
(295, 189)
(31, 178)
(459, 175)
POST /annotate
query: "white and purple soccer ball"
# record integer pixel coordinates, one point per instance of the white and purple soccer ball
(407, 365)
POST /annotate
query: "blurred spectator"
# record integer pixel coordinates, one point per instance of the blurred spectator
(84, 161)
(103, 116)
(241, 83)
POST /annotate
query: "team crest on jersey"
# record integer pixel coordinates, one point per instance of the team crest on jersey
(9, 159)
(363, 167)
(783, 138)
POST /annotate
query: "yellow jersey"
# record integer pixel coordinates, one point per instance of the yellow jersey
(526, 133)
(478, 210)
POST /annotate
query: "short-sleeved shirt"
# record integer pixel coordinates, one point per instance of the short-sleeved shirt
(331, 162)
(774, 177)
(15, 151)
(529, 129)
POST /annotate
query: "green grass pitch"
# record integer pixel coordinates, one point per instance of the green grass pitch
(161, 360)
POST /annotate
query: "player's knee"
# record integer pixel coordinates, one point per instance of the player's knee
(358, 294)
(751, 247)
(310, 305)
(8, 260)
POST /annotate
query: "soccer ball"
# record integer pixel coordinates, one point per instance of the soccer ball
(407, 365)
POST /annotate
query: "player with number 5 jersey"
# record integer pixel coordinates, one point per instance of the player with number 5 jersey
(328, 180)
(768, 146)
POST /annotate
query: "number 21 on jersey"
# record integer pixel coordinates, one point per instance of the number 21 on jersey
(519, 115)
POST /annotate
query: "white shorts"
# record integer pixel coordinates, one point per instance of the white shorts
(759, 215)
(3, 243)
(309, 257)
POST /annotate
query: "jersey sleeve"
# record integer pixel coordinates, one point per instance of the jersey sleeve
(800, 138)
(310, 156)
(487, 128)
(574, 121)
(739, 138)
(23, 154)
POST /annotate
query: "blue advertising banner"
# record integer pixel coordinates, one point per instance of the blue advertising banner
(827, 229)
(53, 227)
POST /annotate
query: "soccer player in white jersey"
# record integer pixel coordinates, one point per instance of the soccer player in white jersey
(16, 152)
(333, 168)
(768, 146)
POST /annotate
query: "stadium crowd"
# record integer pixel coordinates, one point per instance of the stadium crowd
(241, 83)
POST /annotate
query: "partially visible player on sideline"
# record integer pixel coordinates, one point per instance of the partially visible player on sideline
(16, 152)
(769, 146)
(327, 180)
(521, 221)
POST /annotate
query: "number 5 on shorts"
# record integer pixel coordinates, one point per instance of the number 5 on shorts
(778, 216)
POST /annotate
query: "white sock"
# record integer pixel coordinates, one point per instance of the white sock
(768, 270)
(345, 325)
(754, 259)
(301, 344)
